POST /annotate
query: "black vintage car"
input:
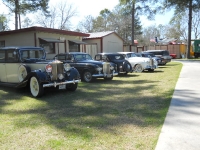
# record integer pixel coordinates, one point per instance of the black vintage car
(123, 66)
(89, 68)
(27, 66)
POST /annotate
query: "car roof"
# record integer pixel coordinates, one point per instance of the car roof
(156, 50)
(109, 53)
(20, 47)
(73, 53)
(146, 52)
(125, 52)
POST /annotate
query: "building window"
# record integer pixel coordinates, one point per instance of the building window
(2, 43)
(74, 47)
(48, 46)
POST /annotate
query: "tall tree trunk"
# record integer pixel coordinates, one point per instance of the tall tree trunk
(20, 21)
(133, 22)
(16, 13)
(189, 29)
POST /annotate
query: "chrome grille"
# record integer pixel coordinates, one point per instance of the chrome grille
(106, 68)
(57, 68)
(151, 62)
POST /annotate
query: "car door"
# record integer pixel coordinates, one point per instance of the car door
(12, 66)
(3, 75)
(80, 66)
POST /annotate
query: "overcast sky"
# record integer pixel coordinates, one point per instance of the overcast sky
(93, 7)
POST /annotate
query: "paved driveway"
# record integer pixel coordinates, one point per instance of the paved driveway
(181, 129)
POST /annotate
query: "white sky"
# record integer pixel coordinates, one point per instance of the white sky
(93, 7)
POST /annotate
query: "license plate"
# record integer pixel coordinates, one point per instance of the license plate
(108, 75)
(62, 86)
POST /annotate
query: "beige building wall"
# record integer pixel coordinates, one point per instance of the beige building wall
(94, 41)
(112, 43)
(59, 47)
(19, 39)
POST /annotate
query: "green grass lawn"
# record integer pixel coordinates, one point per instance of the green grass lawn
(126, 113)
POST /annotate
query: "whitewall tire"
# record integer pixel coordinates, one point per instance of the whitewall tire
(36, 87)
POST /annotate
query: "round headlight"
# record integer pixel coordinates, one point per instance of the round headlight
(99, 69)
(60, 76)
(48, 68)
(67, 67)
(111, 68)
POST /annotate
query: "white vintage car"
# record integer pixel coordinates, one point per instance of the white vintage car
(140, 64)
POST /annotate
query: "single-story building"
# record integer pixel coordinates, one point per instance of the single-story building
(53, 40)
(108, 41)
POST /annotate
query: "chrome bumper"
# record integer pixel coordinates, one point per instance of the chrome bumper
(151, 67)
(105, 75)
(61, 83)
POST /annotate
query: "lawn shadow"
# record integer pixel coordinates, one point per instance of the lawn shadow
(101, 105)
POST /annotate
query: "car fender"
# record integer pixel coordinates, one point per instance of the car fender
(41, 76)
(74, 74)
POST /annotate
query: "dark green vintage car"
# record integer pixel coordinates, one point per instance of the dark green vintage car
(27, 66)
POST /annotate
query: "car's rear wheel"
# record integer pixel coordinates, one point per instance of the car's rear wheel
(87, 76)
(36, 87)
(127, 67)
(150, 70)
(138, 68)
(108, 78)
(72, 87)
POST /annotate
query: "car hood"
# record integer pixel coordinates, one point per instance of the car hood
(140, 59)
(92, 62)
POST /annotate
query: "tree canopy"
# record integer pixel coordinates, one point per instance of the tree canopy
(23, 6)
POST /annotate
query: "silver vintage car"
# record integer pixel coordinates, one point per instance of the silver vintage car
(140, 64)
(27, 66)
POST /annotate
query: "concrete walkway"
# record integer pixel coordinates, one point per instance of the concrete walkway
(181, 129)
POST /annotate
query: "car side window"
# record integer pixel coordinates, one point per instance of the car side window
(61, 57)
(98, 57)
(68, 57)
(104, 58)
(12, 56)
(2, 56)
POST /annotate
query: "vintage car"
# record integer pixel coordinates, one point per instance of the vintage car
(140, 64)
(164, 54)
(151, 55)
(89, 68)
(28, 67)
(123, 66)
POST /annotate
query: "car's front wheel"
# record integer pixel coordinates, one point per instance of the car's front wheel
(108, 78)
(138, 68)
(87, 76)
(72, 87)
(36, 87)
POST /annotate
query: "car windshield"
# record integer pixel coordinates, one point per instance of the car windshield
(117, 57)
(138, 54)
(83, 57)
(32, 54)
(149, 54)
(165, 53)
(131, 55)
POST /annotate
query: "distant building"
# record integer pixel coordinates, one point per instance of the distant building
(53, 40)
(108, 41)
